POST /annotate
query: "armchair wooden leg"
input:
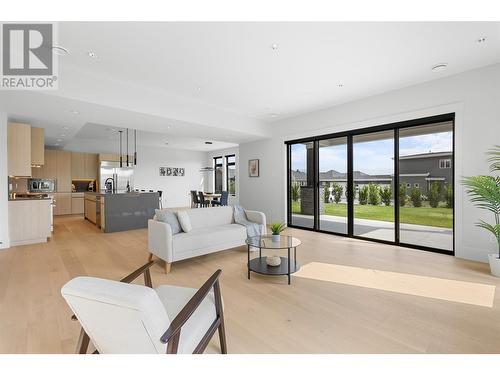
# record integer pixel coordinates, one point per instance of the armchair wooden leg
(167, 267)
(150, 257)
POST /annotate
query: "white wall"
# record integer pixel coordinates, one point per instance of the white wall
(475, 98)
(209, 180)
(175, 189)
(4, 207)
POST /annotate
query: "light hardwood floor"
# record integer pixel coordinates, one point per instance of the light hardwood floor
(264, 314)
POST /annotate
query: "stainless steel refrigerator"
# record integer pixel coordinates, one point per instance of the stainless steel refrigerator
(121, 176)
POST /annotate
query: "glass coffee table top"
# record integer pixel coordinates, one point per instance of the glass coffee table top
(266, 242)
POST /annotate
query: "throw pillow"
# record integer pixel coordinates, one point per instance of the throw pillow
(170, 218)
(184, 221)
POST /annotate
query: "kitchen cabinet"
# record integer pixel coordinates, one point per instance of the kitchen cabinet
(77, 165)
(77, 205)
(90, 166)
(90, 208)
(29, 221)
(19, 149)
(63, 204)
(63, 171)
(37, 146)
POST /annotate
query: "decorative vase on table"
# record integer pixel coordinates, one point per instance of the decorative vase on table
(276, 229)
(273, 261)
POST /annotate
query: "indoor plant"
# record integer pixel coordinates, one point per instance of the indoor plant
(277, 228)
(485, 193)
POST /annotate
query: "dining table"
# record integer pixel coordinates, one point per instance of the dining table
(211, 197)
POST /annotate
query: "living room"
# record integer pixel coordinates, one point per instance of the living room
(250, 187)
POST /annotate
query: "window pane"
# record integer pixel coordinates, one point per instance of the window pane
(302, 184)
(332, 185)
(373, 171)
(218, 174)
(426, 212)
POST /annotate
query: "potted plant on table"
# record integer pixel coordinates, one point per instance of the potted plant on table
(485, 193)
(277, 228)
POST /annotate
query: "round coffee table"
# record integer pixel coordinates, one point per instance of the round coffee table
(259, 265)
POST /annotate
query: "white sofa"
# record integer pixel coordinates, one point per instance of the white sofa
(212, 229)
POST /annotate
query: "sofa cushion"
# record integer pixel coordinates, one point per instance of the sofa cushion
(184, 221)
(208, 236)
(169, 217)
(210, 216)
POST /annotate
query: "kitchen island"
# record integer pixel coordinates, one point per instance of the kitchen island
(115, 212)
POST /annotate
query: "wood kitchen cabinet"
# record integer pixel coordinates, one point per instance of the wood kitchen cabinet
(90, 166)
(77, 165)
(63, 169)
(63, 204)
(19, 149)
(77, 203)
(90, 208)
(37, 146)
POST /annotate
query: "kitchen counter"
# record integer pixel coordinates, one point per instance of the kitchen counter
(30, 199)
(115, 212)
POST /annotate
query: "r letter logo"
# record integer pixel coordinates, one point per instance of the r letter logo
(27, 58)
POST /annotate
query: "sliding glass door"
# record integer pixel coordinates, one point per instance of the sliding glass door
(301, 184)
(391, 183)
(333, 185)
(426, 185)
(373, 171)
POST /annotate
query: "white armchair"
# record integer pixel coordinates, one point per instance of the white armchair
(119, 317)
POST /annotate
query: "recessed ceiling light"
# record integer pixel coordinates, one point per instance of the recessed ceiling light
(61, 51)
(62, 135)
(168, 126)
(274, 46)
(92, 54)
(274, 115)
(208, 142)
(439, 67)
(65, 127)
(75, 112)
(59, 140)
(481, 39)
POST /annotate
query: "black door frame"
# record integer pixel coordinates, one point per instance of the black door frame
(350, 186)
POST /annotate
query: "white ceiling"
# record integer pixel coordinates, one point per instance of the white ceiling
(224, 80)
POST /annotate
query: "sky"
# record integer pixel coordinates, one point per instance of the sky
(373, 157)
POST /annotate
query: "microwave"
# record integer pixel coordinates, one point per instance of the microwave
(39, 185)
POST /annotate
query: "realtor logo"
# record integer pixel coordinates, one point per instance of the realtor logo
(27, 59)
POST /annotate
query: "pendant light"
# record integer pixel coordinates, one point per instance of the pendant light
(135, 147)
(127, 147)
(121, 160)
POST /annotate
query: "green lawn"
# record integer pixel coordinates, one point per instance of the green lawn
(435, 217)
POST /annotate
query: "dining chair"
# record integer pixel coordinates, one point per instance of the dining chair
(203, 202)
(195, 201)
(119, 317)
(223, 199)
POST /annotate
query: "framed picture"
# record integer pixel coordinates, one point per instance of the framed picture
(175, 171)
(162, 171)
(169, 171)
(253, 168)
(181, 172)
